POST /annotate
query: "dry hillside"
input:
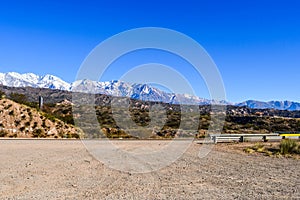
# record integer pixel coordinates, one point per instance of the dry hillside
(18, 120)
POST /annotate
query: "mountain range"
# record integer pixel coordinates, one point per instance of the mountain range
(278, 105)
(138, 91)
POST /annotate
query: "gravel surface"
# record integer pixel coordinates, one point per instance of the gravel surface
(63, 169)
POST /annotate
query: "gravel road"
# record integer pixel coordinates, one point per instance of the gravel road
(64, 169)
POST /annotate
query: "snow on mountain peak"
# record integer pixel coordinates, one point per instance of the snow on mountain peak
(14, 79)
(115, 88)
(278, 105)
(122, 89)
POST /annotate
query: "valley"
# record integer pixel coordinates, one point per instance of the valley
(58, 106)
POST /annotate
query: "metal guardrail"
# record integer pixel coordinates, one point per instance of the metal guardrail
(284, 135)
(242, 137)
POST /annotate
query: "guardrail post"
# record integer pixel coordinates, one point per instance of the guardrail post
(265, 138)
(242, 139)
(214, 138)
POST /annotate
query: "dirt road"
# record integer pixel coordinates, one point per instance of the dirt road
(58, 169)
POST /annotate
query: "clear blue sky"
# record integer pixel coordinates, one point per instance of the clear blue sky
(255, 44)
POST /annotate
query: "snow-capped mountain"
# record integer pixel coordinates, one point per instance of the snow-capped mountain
(14, 79)
(143, 92)
(136, 91)
(278, 105)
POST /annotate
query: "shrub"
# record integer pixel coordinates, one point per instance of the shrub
(2, 94)
(44, 124)
(17, 122)
(38, 133)
(75, 135)
(34, 125)
(19, 98)
(32, 104)
(249, 150)
(68, 119)
(288, 146)
(50, 117)
(3, 133)
(27, 124)
(11, 112)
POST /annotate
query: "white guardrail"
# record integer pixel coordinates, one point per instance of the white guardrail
(249, 137)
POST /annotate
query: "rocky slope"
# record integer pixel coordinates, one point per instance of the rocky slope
(17, 120)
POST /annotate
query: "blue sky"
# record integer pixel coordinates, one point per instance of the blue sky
(255, 44)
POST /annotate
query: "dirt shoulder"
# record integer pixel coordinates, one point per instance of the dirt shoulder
(270, 149)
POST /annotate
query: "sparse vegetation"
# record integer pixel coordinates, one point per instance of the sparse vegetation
(27, 124)
(44, 124)
(237, 119)
(2, 94)
(39, 124)
(3, 133)
(38, 133)
(288, 146)
(49, 116)
(11, 112)
(17, 122)
(19, 98)
(34, 125)
(7, 107)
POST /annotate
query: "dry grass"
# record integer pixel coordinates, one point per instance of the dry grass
(286, 148)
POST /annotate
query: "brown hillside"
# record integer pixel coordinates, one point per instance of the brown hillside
(18, 120)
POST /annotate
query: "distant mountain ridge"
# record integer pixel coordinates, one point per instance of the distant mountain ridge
(138, 91)
(278, 105)
(14, 79)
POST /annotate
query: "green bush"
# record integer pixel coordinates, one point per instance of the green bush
(288, 146)
(49, 116)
